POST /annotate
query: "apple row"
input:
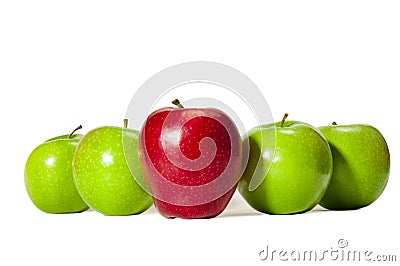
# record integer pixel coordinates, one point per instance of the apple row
(190, 161)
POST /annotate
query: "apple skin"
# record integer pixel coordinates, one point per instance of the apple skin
(174, 151)
(299, 163)
(49, 179)
(102, 175)
(361, 165)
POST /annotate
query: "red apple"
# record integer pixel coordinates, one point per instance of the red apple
(191, 159)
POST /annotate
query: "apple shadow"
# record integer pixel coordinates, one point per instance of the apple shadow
(240, 213)
(317, 209)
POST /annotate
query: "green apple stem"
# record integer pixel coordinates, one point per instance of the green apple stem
(177, 103)
(334, 123)
(283, 119)
(76, 129)
(126, 123)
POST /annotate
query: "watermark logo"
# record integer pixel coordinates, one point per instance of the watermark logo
(212, 148)
(342, 243)
(339, 253)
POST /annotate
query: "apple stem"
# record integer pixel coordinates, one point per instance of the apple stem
(177, 103)
(283, 119)
(72, 133)
(126, 123)
(334, 123)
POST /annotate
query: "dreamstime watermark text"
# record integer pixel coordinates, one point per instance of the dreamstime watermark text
(340, 252)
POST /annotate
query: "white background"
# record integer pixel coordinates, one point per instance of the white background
(64, 63)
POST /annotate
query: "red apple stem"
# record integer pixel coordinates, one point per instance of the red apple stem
(283, 119)
(126, 123)
(334, 123)
(76, 129)
(177, 103)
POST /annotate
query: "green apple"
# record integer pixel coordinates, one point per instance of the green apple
(102, 175)
(361, 163)
(293, 165)
(48, 176)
